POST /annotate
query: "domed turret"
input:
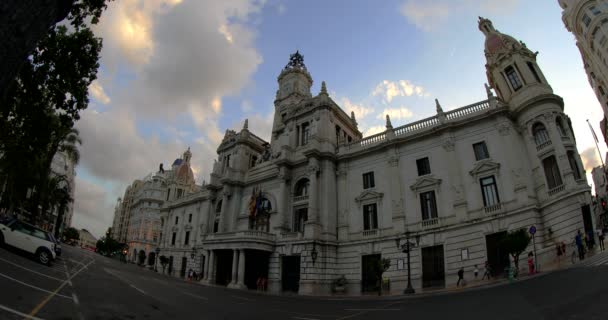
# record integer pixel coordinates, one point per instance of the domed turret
(294, 80)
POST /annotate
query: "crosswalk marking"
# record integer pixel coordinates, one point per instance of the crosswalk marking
(599, 259)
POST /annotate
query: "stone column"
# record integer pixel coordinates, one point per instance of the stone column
(342, 196)
(235, 257)
(281, 217)
(206, 270)
(241, 270)
(223, 218)
(211, 275)
(396, 192)
(312, 227)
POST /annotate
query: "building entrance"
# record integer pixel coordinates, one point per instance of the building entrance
(290, 269)
(223, 267)
(498, 258)
(433, 270)
(182, 271)
(256, 267)
(369, 277)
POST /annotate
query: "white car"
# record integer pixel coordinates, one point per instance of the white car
(28, 238)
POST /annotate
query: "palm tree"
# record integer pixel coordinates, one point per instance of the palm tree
(59, 197)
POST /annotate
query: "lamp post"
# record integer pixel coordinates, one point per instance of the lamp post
(156, 259)
(406, 248)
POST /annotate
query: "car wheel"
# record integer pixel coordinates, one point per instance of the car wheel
(44, 256)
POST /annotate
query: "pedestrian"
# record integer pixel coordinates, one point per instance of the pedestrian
(578, 239)
(487, 272)
(460, 276)
(530, 263)
(190, 274)
(558, 246)
(475, 272)
(600, 236)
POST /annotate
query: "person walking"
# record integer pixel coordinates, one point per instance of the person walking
(460, 276)
(487, 271)
(530, 263)
(600, 237)
(578, 239)
(190, 274)
(475, 272)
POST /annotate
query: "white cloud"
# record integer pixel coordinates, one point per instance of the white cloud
(96, 90)
(396, 113)
(373, 130)
(281, 9)
(401, 88)
(360, 110)
(432, 15)
(590, 159)
(92, 210)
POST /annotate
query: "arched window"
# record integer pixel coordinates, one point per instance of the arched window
(513, 78)
(216, 221)
(218, 208)
(560, 126)
(540, 133)
(302, 188)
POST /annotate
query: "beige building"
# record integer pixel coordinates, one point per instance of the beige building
(588, 22)
(86, 239)
(320, 201)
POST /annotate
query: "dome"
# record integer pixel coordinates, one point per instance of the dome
(184, 173)
(177, 162)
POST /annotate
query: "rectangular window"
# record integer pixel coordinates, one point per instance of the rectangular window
(481, 151)
(424, 166)
(300, 217)
(252, 161)
(305, 133)
(187, 239)
(173, 238)
(168, 193)
(428, 205)
(176, 220)
(586, 20)
(216, 225)
(489, 191)
(554, 178)
(574, 165)
(180, 192)
(370, 217)
(513, 78)
(190, 218)
(368, 180)
(533, 70)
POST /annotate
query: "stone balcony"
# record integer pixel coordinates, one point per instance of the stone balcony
(245, 239)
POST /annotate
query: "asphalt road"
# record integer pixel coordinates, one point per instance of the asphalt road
(84, 285)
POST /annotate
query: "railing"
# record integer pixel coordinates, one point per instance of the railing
(423, 124)
(430, 222)
(378, 137)
(467, 110)
(542, 145)
(248, 234)
(492, 208)
(416, 126)
(556, 190)
(291, 235)
(370, 233)
(300, 198)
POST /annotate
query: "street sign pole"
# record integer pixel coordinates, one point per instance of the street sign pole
(533, 232)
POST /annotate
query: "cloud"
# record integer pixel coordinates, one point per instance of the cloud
(281, 9)
(401, 88)
(432, 15)
(246, 106)
(396, 113)
(373, 130)
(96, 90)
(360, 110)
(92, 210)
(590, 159)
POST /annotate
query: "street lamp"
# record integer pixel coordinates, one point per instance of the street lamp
(156, 259)
(406, 248)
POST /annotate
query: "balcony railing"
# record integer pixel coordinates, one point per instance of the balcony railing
(370, 233)
(300, 198)
(493, 208)
(242, 235)
(543, 145)
(430, 222)
(557, 189)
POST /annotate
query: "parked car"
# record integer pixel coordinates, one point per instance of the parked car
(28, 238)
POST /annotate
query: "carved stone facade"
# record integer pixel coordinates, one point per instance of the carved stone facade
(337, 201)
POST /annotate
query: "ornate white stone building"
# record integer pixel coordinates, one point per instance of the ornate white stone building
(588, 22)
(320, 201)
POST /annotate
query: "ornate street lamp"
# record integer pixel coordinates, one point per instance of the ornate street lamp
(406, 248)
(314, 253)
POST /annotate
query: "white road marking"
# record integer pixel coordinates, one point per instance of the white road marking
(75, 297)
(30, 270)
(304, 318)
(194, 295)
(372, 309)
(21, 314)
(138, 289)
(31, 286)
(125, 281)
(80, 263)
(242, 298)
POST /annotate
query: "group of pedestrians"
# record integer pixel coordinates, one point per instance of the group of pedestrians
(487, 274)
(586, 242)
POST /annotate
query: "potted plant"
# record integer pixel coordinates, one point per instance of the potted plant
(339, 285)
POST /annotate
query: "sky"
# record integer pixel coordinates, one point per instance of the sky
(177, 73)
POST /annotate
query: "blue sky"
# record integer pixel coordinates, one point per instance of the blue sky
(178, 73)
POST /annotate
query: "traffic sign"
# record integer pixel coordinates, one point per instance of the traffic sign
(532, 230)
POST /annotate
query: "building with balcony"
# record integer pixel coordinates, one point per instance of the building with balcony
(319, 200)
(588, 22)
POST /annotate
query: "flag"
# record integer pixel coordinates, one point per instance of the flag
(593, 132)
(252, 203)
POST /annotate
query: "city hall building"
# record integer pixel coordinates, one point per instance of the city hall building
(320, 201)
